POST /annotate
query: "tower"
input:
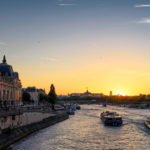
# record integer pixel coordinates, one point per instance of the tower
(110, 93)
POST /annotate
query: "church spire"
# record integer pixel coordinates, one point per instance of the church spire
(4, 59)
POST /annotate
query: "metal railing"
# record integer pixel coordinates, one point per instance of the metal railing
(17, 110)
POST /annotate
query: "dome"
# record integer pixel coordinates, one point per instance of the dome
(5, 69)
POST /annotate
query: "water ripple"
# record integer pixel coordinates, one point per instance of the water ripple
(85, 131)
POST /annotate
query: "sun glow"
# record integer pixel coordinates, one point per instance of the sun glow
(120, 93)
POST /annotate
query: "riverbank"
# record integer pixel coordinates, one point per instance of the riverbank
(11, 136)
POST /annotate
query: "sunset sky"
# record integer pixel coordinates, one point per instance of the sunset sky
(100, 44)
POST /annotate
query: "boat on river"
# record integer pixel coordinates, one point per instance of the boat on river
(111, 118)
(70, 112)
(105, 105)
(78, 107)
(147, 122)
(70, 109)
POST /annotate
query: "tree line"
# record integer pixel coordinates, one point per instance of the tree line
(50, 98)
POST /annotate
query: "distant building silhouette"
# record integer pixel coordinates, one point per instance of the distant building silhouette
(34, 93)
(86, 94)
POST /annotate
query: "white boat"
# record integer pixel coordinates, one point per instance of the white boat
(73, 107)
(70, 112)
(70, 109)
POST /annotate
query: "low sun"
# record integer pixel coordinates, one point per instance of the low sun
(120, 93)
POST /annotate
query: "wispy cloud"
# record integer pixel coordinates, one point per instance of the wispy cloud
(66, 3)
(3, 44)
(144, 20)
(141, 5)
(48, 59)
(66, 0)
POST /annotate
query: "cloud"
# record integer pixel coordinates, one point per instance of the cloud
(65, 0)
(66, 4)
(3, 44)
(48, 59)
(144, 20)
(142, 5)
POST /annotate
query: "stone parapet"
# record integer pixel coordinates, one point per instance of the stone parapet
(11, 136)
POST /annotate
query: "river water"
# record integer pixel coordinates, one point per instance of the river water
(85, 131)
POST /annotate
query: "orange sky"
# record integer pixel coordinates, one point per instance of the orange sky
(117, 73)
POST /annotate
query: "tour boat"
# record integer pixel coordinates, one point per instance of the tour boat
(147, 122)
(111, 118)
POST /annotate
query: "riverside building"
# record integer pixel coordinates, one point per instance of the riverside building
(10, 85)
(34, 93)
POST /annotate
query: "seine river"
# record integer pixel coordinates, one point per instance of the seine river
(85, 131)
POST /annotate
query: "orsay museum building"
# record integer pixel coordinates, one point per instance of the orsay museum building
(10, 85)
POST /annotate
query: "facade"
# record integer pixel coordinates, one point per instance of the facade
(34, 93)
(10, 85)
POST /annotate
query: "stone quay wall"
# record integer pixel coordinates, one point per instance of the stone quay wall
(15, 118)
(11, 136)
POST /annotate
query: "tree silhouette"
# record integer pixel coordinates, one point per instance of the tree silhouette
(26, 98)
(42, 98)
(52, 97)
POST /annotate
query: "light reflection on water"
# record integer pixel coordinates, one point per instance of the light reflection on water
(85, 131)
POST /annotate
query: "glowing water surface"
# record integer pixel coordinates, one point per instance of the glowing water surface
(85, 131)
